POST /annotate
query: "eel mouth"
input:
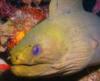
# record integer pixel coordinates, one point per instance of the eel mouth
(31, 65)
(27, 64)
(34, 70)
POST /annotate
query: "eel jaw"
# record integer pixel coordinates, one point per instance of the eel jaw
(33, 70)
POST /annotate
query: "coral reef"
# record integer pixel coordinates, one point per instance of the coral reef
(20, 19)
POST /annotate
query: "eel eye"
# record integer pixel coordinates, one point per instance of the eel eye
(36, 50)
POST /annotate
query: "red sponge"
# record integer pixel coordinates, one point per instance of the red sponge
(4, 67)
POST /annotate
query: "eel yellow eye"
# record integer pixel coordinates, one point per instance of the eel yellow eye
(36, 50)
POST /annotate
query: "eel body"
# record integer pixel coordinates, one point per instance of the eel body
(66, 42)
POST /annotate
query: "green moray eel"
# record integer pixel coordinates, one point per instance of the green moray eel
(66, 42)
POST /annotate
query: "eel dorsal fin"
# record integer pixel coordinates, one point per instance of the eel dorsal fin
(58, 7)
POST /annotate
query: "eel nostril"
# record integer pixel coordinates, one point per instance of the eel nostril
(19, 59)
(16, 58)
